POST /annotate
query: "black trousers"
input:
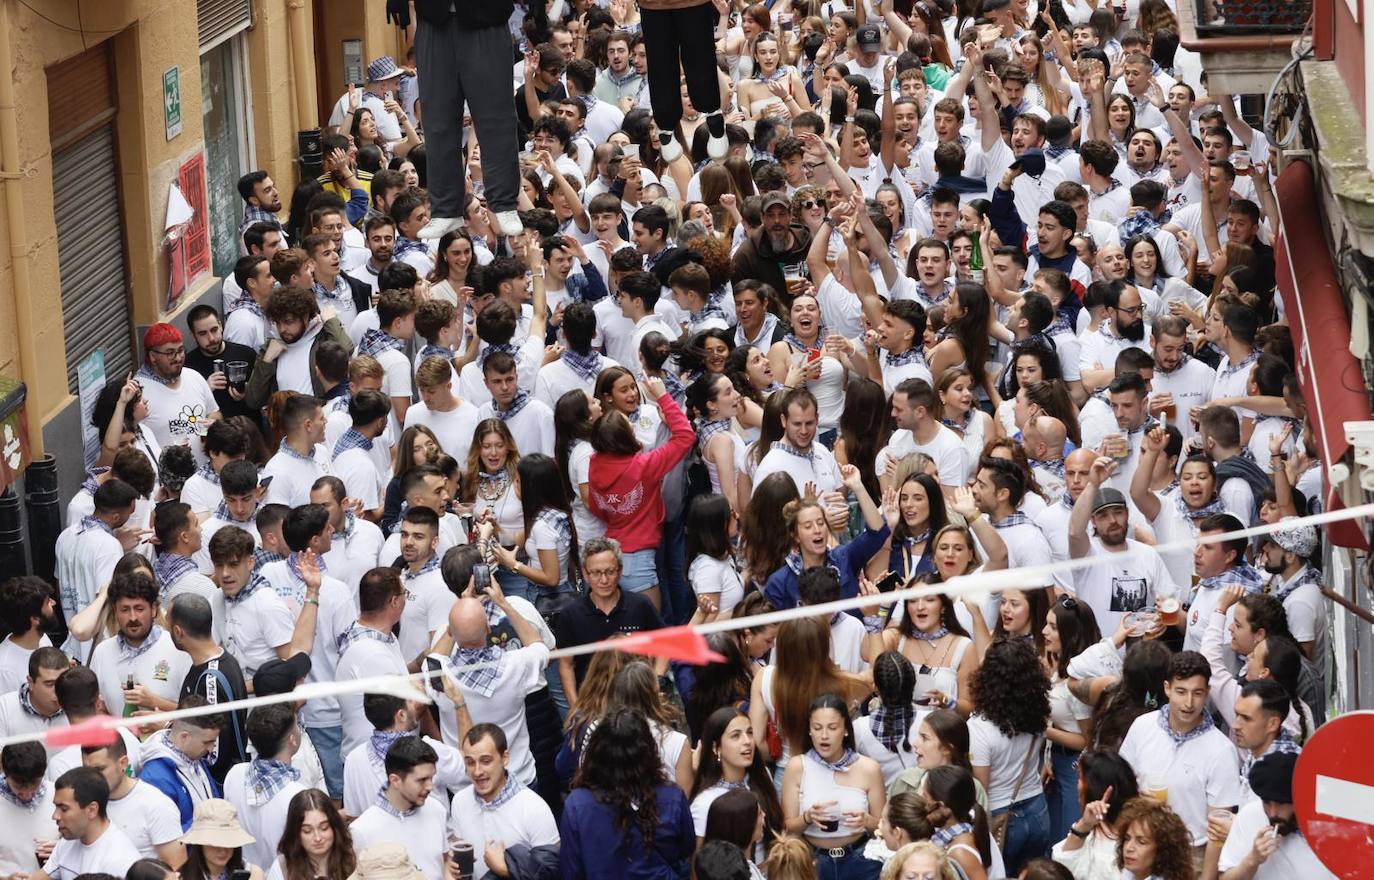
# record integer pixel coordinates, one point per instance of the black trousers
(682, 38)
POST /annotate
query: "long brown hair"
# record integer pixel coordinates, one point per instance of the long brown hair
(296, 863)
(1052, 396)
(405, 449)
(473, 468)
(801, 658)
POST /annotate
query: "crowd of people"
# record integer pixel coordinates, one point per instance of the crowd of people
(942, 288)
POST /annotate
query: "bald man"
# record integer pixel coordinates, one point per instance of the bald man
(1054, 519)
(496, 692)
(1043, 438)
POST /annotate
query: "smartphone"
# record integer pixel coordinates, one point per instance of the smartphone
(265, 482)
(922, 701)
(813, 354)
(434, 681)
(240, 875)
(631, 151)
(890, 582)
(481, 578)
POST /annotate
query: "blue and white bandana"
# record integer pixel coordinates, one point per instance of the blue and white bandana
(380, 743)
(493, 348)
(341, 293)
(586, 366)
(1053, 465)
(846, 760)
(26, 703)
(170, 568)
(291, 453)
(93, 522)
(377, 341)
(431, 564)
(1232, 369)
(1309, 575)
(708, 428)
(205, 472)
(266, 778)
(431, 350)
(1180, 738)
(8, 794)
(512, 787)
(1244, 576)
(223, 514)
(483, 679)
(912, 355)
(352, 439)
(1211, 508)
(1014, 519)
(809, 453)
(517, 404)
(147, 374)
(406, 246)
(129, 653)
(356, 632)
(387, 806)
(255, 583)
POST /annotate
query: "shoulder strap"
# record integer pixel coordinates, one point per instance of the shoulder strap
(1025, 762)
(222, 680)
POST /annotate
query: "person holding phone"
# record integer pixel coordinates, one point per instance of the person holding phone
(214, 844)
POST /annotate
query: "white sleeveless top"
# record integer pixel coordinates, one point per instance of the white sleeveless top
(740, 454)
(819, 786)
(510, 515)
(943, 678)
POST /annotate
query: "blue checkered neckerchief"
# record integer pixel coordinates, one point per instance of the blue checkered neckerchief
(408, 245)
(558, 521)
(39, 794)
(1245, 576)
(94, 522)
(263, 557)
(1067, 500)
(933, 636)
(1015, 519)
(1143, 223)
(1053, 465)
(652, 261)
(912, 355)
(1283, 744)
(223, 515)
(431, 564)
(170, 568)
(349, 521)
(586, 366)
(1183, 359)
(26, 703)
(286, 448)
(518, 403)
(431, 350)
(890, 724)
(380, 743)
(1309, 575)
(483, 679)
(341, 293)
(296, 589)
(356, 632)
(266, 778)
(375, 342)
(946, 288)
(206, 472)
(797, 565)
(960, 425)
(846, 760)
(708, 428)
(255, 214)
(1148, 425)
(92, 481)
(255, 583)
(794, 341)
(1060, 324)
(492, 348)
(944, 836)
(712, 309)
(1211, 508)
(388, 807)
(148, 374)
(1232, 369)
(512, 787)
(129, 653)
(1179, 739)
(246, 301)
(352, 439)
(809, 453)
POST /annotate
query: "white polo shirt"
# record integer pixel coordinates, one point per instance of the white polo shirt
(532, 427)
(112, 853)
(338, 609)
(428, 602)
(363, 777)
(147, 817)
(454, 429)
(820, 468)
(1200, 773)
(1293, 858)
(292, 476)
(255, 627)
(161, 669)
(521, 673)
(364, 658)
(524, 820)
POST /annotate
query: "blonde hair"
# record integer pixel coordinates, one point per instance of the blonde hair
(915, 463)
(893, 869)
(365, 367)
(790, 859)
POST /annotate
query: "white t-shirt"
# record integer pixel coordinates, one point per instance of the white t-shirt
(363, 472)
(1202, 772)
(161, 669)
(293, 476)
(201, 494)
(1191, 385)
(945, 449)
(178, 416)
(521, 673)
(255, 627)
(1293, 858)
(532, 427)
(112, 853)
(14, 663)
(989, 747)
(523, 820)
(589, 525)
(396, 382)
(454, 429)
(147, 817)
(820, 469)
(545, 536)
(352, 557)
(266, 821)
(710, 575)
(361, 659)
(1119, 583)
(23, 824)
(428, 602)
(422, 834)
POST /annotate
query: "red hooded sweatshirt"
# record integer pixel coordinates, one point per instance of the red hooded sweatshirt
(627, 490)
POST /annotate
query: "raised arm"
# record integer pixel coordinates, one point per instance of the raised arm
(885, 263)
(1146, 501)
(566, 190)
(1094, 87)
(1079, 544)
(534, 258)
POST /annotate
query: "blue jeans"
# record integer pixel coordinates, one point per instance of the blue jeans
(547, 604)
(328, 743)
(851, 866)
(1062, 792)
(828, 438)
(1028, 832)
(674, 592)
(513, 584)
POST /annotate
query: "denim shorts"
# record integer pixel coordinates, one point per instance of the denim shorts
(639, 572)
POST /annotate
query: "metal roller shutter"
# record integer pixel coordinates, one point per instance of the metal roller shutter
(90, 254)
(218, 20)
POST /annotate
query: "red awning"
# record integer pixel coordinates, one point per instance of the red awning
(1330, 376)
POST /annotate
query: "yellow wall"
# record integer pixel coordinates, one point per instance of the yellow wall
(149, 37)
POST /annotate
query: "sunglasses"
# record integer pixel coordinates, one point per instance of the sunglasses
(808, 204)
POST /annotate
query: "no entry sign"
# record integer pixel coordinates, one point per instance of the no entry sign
(1333, 792)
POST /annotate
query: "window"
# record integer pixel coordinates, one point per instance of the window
(228, 146)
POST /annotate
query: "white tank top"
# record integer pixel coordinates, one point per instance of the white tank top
(819, 786)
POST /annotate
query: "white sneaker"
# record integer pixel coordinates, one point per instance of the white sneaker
(669, 148)
(509, 221)
(717, 147)
(438, 227)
